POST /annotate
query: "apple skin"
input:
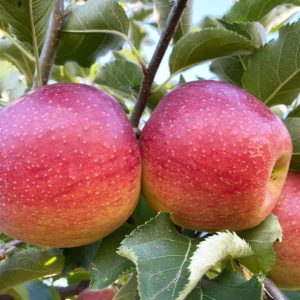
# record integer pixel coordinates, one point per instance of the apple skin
(87, 294)
(286, 273)
(70, 166)
(208, 152)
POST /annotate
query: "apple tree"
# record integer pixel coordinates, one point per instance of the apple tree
(67, 57)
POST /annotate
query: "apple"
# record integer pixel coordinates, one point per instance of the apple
(106, 294)
(214, 156)
(286, 273)
(70, 166)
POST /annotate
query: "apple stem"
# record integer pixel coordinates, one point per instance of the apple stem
(149, 73)
(50, 45)
(272, 291)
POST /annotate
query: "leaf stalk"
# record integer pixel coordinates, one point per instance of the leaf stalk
(35, 46)
(50, 45)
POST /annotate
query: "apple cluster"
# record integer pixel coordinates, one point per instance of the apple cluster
(211, 154)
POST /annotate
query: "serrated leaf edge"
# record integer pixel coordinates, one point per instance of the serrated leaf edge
(223, 239)
(283, 31)
(126, 252)
(197, 32)
(123, 273)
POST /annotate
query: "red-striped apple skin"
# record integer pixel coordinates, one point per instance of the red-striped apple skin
(208, 152)
(70, 166)
(286, 273)
(106, 294)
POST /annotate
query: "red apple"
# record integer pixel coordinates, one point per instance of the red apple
(286, 273)
(69, 164)
(106, 294)
(214, 156)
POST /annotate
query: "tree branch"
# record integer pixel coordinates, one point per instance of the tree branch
(165, 38)
(51, 42)
(272, 291)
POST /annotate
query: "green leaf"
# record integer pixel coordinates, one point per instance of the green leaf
(209, 22)
(156, 96)
(253, 31)
(107, 265)
(254, 10)
(79, 257)
(11, 53)
(85, 46)
(4, 238)
(228, 286)
(161, 256)
(18, 292)
(69, 72)
(278, 17)
(181, 79)
(137, 33)
(293, 125)
(28, 264)
(163, 8)
(37, 291)
(121, 75)
(228, 69)
(135, 1)
(261, 239)
(142, 12)
(212, 250)
(17, 15)
(129, 291)
(210, 43)
(11, 85)
(295, 112)
(78, 276)
(143, 212)
(125, 54)
(292, 295)
(279, 110)
(273, 72)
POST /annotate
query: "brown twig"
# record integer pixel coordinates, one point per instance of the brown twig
(51, 42)
(272, 291)
(149, 73)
